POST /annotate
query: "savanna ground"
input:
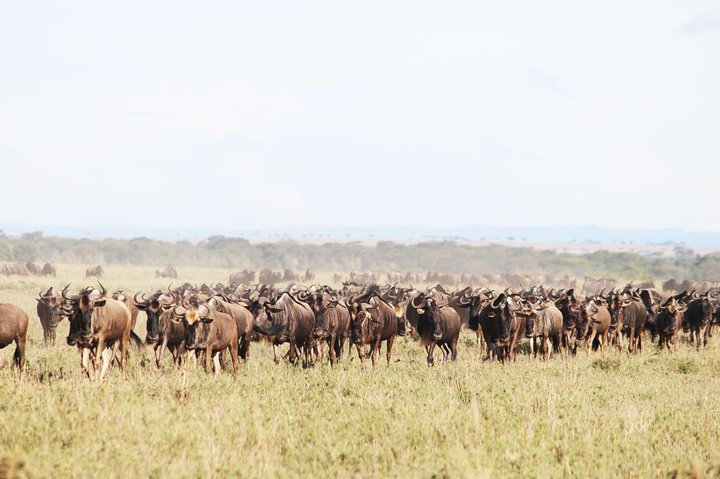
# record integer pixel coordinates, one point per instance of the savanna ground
(643, 416)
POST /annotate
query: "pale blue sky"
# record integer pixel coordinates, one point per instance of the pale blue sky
(251, 115)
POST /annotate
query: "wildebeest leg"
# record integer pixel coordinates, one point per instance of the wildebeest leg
(85, 362)
(98, 359)
(589, 342)
(160, 351)
(234, 357)
(453, 349)
(430, 356)
(332, 338)
(276, 353)
(53, 336)
(209, 359)
(547, 345)
(216, 363)
(389, 343)
(375, 351)
(19, 355)
(105, 356)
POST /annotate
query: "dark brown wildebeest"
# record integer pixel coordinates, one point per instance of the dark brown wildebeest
(332, 322)
(595, 323)
(290, 321)
(475, 304)
(309, 276)
(571, 309)
(373, 320)
(505, 325)
(99, 326)
(243, 319)
(13, 327)
(290, 275)
(49, 311)
(438, 324)
(48, 270)
(698, 316)
(211, 332)
(633, 316)
(669, 322)
(166, 272)
(544, 321)
(96, 271)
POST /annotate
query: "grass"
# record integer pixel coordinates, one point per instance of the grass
(653, 415)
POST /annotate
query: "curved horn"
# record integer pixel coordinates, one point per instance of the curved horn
(417, 306)
(102, 289)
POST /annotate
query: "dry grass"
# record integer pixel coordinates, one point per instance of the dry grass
(652, 415)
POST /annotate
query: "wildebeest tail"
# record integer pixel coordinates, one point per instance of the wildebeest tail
(272, 331)
(136, 340)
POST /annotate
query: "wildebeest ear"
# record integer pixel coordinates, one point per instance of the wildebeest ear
(100, 303)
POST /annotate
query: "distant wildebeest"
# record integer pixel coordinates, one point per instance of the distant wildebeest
(242, 277)
(166, 272)
(99, 326)
(309, 276)
(33, 269)
(49, 311)
(17, 269)
(268, 276)
(13, 327)
(290, 275)
(94, 271)
(48, 270)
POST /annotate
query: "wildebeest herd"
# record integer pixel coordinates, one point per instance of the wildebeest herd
(202, 324)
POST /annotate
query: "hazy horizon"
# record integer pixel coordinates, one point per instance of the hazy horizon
(372, 115)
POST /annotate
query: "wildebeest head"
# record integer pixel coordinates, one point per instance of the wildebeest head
(320, 302)
(80, 309)
(54, 302)
(153, 307)
(670, 316)
(427, 305)
(197, 322)
(361, 321)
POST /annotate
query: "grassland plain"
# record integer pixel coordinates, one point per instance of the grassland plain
(643, 416)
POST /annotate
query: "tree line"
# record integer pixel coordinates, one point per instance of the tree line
(443, 256)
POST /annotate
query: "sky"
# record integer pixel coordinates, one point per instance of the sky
(234, 115)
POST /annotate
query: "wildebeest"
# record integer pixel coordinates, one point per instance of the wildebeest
(698, 316)
(291, 321)
(17, 269)
(99, 326)
(33, 269)
(633, 317)
(244, 321)
(268, 276)
(164, 330)
(504, 325)
(48, 270)
(669, 322)
(13, 327)
(332, 322)
(594, 323)
(211, 332)
(96, 271)
(438, 324)
(49, 311)
(373, 320)
(242, 277)
(166, 272)
(544, 320)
